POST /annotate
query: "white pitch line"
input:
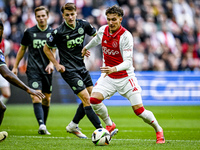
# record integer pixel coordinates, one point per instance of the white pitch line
(53, 137)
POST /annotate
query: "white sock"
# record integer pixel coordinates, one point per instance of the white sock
(101, 110)
(3, 99)
(73, 125)
(149, 118)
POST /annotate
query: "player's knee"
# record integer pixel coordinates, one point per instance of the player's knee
(35, 99)
(94, 100)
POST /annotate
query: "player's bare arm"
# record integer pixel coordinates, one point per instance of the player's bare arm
(50, 56)
(20, 55)
(13, 79)
(50, 67)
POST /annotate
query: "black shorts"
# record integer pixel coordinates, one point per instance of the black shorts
(38, 81)
(78, 80)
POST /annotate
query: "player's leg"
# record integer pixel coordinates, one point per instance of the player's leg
(3, 134)
(45, 105)
(78, 83)
(5, 90)
(146, 115)
(46, 90)
(102, 90)
(85, 98)
(84, 108)
(80, 112)
(2, 110)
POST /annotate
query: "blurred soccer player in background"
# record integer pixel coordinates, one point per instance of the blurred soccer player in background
(13, 79)
(69, 38)
(118, 71)
(39, 68)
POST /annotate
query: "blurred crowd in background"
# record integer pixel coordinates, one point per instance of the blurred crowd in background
(166, 33)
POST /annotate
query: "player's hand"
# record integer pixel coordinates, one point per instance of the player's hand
(85, 52)
(36, 93)
(15, 71)
(60, 68)
(50, 68)
(108, 70)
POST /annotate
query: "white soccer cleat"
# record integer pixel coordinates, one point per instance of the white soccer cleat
(43, 130)
(76, 131)
(3, 135)
(114, 132)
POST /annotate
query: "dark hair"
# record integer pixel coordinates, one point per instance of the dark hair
(68, 6)
(41, 8)
(115, 10)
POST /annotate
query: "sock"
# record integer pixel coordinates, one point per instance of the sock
(73, 125)
(46, 112)
(38, 112)
(3, 99)
(92, 117)
(101, 110)
(2, 110)
(80, 113)
(149, 118)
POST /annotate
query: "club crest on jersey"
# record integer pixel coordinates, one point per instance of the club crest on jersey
(114, 44)
(80, 31)
(2, 58)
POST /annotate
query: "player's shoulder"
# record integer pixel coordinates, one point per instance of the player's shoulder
(31, 29)
(49, 29)
(102, 28)
(83, 21)
(127, 33)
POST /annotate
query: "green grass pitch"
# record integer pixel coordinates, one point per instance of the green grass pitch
(181, 126)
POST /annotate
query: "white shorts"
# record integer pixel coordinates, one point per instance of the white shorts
(3, 82)
(127, 87)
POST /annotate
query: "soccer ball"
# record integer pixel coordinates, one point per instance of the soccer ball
(101, 137)
(3, 135)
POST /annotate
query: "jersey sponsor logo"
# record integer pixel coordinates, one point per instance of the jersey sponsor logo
(35, 85)
(109, 52)
(80, 31)
(2, 57)
(72, 43)
(37, 43)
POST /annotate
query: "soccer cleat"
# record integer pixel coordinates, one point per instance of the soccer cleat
(3, 135)
(115, 131)
(43, 130)
(76, 131)
(160, 137)
(111, 128)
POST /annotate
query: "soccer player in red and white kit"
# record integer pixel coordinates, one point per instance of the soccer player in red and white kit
(118, 71)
